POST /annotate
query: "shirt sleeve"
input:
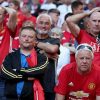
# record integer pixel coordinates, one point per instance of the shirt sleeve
(98, 85)
(62, 83)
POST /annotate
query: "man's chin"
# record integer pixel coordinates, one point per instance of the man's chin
(27, 47)
(42, 32)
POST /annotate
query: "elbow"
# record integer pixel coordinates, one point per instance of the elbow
(68, 20)
(55, 49)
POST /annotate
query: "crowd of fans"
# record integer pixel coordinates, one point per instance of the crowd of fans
(65, 34)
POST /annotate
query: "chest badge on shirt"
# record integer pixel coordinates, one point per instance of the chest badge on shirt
(91, 86)
(71, 84)
(79, 94)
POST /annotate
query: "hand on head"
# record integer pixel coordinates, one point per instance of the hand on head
(96, 9)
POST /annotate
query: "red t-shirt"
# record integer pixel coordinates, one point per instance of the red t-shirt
(75, 86)
(4, 43)
(20, 20)
(67, 38)
(84, 37)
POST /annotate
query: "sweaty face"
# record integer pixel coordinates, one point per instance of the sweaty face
(27, 39)
(43, 25)
(84, 61)
(95, 23)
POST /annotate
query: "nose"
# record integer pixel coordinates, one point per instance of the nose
(43, 25)
(84, 60)
(26, 38)
(97, 23)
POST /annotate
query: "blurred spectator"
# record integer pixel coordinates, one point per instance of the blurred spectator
(23, 14)
(78, 7)
(98, 4)
(68, 40)
(58, 2)
(48, 5)
(54, 13)
(4, 3)
(26, 11)
(15, 4)
(64, 9)
(90, 5)
(64, 56)
(6, 31)
(35, 7)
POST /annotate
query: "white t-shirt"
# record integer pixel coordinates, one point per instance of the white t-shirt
(64, 58)
(48, 6)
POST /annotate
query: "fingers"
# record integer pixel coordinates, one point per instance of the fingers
(95, 10)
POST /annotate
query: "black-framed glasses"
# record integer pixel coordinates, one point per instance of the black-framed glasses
(82, 46)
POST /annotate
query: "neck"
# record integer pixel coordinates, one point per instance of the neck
(42, 36)
(28, 15)
(93, 34)
(83, 72)
(26, 52)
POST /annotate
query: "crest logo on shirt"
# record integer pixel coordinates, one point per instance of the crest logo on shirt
(91, 86)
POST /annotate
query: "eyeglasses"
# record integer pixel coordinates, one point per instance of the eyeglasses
(82, 46)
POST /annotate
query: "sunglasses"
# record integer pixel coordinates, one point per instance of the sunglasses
(84, 46)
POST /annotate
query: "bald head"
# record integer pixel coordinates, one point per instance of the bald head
(95, 14)
(94, 23)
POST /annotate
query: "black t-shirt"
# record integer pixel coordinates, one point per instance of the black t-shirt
(49, 76)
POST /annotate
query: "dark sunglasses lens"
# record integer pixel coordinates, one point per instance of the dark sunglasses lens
(89, 48)
(80, 47)
(84, 46)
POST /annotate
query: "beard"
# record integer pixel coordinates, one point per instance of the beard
(39, 31)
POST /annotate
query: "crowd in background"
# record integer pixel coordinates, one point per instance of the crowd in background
(59, 26)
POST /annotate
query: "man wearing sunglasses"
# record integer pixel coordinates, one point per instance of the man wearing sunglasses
(91, 34)
(79, 80)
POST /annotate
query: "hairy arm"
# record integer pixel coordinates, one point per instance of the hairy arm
(74, 19)
(49, 48)
(60, 97)
(12, 18)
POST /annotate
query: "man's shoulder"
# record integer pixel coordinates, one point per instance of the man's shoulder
(70, 67)
(82, 31)
(96, 68)
(14, 52)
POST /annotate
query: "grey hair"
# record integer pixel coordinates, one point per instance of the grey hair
(58, 31)
(44, 15)
(83, 49)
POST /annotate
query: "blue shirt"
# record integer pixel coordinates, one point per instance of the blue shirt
(24, 64)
